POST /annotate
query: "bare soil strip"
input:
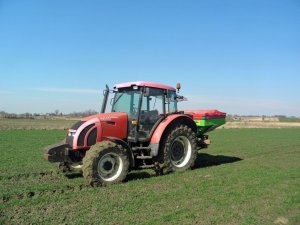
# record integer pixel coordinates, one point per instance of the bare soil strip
(254, 124)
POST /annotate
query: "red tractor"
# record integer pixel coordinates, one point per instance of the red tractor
(143, 130)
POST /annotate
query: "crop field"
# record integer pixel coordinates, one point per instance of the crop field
(247, 176)
(36, 124)
(63, 123)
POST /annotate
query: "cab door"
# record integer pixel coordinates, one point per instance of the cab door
(128, 100)
(151, 113)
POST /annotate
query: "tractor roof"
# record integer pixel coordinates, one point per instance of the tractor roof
(146, 84)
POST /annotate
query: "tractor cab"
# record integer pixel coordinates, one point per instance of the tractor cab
(146, 105)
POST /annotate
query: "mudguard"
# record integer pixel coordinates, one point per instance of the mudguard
(159, 131)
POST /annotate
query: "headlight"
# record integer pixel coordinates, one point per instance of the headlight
(71, 134)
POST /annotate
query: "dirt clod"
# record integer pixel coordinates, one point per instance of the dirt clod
(281, 220)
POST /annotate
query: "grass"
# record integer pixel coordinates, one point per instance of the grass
(36, 124)
(247, 176)
(63, 123)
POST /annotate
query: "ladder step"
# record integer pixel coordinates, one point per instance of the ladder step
(146, 166)
(144, 157)
(140, 148)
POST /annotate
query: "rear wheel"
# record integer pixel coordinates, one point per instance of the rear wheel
(177, 150)
(105, 163)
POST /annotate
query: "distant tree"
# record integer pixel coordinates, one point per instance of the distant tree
(27, 115)
(83, 114)
(280, 116)
(56, 112)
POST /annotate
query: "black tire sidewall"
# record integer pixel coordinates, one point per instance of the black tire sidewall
(120, 154)
(165, 149)
(91, 160)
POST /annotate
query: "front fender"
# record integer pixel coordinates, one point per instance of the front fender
(80, 140)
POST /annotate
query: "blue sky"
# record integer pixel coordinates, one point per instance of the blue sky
(241, 57)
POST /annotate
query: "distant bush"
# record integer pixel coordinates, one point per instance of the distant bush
(289, 119)
(84, 113)
(27, 115)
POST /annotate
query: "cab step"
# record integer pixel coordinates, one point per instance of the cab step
(144, 157)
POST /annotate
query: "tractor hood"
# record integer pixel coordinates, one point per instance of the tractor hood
(95, 128)
(103, 117)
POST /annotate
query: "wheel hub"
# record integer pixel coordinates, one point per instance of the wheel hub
(177, 151)
(108, 166)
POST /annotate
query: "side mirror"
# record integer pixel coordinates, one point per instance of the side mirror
(180, 98)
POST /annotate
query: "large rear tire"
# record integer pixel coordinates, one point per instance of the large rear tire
(105, 163)
(177, 150)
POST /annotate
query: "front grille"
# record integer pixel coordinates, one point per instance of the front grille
(77, 125)
(69, 140)
(92, 137)
(82, 135)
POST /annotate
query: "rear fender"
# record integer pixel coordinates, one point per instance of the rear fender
(164, 125)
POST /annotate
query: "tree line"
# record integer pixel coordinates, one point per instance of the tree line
(56, 113)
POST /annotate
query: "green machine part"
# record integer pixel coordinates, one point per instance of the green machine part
(205, 125)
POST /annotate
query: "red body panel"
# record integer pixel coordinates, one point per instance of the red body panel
(146, 84)
(115, 127)
(208, 114)
(107, 124)
(80, 129)
(162, 126)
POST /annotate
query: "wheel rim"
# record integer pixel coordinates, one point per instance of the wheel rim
(110, 166)
(181, 151)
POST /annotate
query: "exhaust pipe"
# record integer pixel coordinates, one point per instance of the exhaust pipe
(105, 93)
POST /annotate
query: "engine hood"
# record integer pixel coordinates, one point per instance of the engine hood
(96, 128)
(106, 116)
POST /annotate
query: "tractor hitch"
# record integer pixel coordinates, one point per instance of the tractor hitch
(57, 152)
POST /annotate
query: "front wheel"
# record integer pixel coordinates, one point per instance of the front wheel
(178, 150)
(105, 163)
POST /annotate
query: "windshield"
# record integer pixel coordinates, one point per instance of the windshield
(126, 100)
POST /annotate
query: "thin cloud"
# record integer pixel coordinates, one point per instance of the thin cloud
(236, 101)
(6, 92)
(246, 106)
(68, 90)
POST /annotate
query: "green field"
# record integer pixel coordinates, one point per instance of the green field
(247, 176)
(37, 124)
